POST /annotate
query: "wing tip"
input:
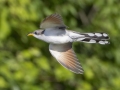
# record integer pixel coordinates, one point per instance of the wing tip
(55, 19)
(81, 71)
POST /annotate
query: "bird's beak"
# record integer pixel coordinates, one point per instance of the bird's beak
(30, 34)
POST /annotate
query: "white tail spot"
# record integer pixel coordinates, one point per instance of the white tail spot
(90, 34)
(101, 42)
(106, 42)
(105, 35)
(98, 34)
(92, 41)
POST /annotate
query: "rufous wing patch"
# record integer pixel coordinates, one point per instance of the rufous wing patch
(67, 58)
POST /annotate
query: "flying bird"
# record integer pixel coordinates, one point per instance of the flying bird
(54, 31)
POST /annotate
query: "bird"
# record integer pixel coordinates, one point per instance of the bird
(54, 31)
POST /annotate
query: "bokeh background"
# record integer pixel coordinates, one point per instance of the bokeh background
(26, 63)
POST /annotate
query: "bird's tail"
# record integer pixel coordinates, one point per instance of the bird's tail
(101, 38)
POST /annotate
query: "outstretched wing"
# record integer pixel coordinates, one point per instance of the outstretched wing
(66, 57)
(54, 20)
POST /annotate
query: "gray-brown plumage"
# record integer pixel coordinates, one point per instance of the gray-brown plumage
(54, 32)
(66, 56)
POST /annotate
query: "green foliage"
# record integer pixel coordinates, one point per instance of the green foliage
(25, 62)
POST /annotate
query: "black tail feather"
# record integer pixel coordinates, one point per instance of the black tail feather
(101, 38)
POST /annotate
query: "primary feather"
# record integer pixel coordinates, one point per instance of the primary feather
(54, 20)
(66, 57)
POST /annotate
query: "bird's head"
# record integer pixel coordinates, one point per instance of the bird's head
(37, 33)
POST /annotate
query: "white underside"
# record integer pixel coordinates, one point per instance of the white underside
(55, 36)
(57, 39)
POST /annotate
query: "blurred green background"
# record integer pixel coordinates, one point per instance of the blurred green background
(26, 63)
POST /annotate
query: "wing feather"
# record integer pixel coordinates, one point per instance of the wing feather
(54, 20)
(66, 57)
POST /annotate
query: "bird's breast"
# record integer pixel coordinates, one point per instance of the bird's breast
(57, 39)
(56, 36)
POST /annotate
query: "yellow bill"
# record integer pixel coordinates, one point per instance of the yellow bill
(30, 34)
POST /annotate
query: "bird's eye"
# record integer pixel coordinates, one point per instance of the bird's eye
(35, 33)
